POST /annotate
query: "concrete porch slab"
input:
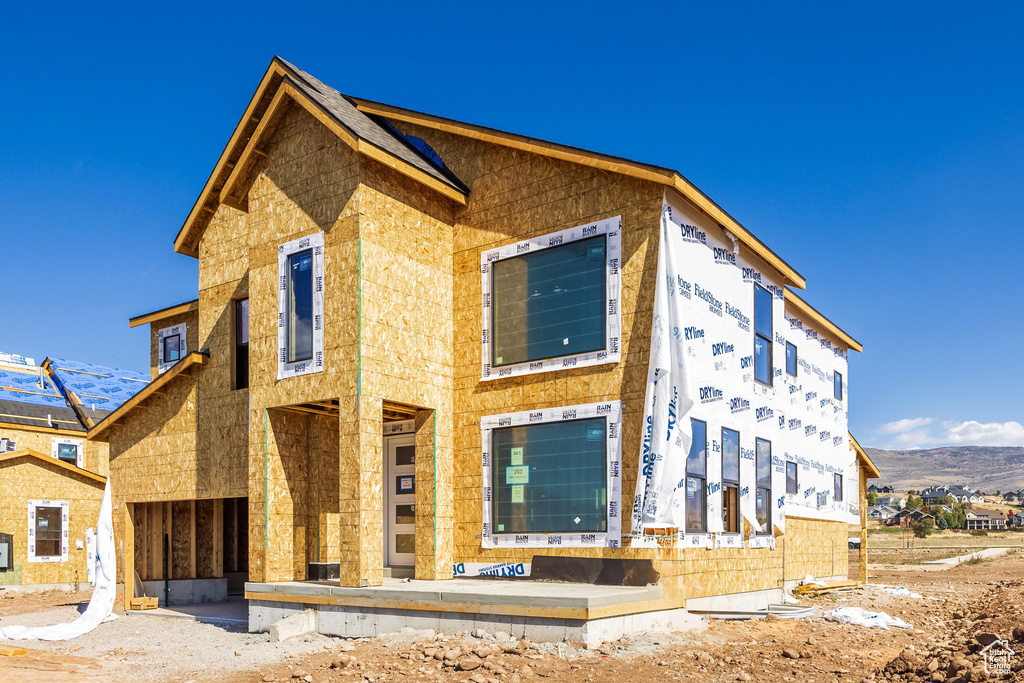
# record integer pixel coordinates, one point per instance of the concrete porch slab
(539, 610)
(488, 596)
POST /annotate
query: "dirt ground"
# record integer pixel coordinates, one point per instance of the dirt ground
(961, 609)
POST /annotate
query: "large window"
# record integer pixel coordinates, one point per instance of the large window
(730, 480)
(837, 487)
(791, 364)
(763, 491)
(299, 315)
(696, 479)
(242, 344)
(552, 302)
(549, 303)
(837, 389)
(551, 477)
(762, 334)
(792, 485)
(47, 531)
(300, 335)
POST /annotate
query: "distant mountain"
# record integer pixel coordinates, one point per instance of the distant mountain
(989, 468)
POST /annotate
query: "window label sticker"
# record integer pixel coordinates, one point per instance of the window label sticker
(595, 433)
(517, 494)
(517, 455)
(405, 484)
(517, 474)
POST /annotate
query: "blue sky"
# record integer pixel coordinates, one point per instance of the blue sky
(878, 147)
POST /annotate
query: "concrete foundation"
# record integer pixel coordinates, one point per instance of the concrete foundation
(188, 591)
(361, 622)
(736, 602)
(544, 612)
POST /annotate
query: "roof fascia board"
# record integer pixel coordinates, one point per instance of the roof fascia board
(44, 430)
(812, 313)
(163, 313)
(49, 460)
(866, 462)
(194, 358)
(603, 162)
(179, 242)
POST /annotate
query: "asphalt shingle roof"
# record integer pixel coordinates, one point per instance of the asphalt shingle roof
(369, 128)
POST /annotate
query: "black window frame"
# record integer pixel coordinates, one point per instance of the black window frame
(241, 347)
(796, 363)
(177, 348)
(496, 265)
(837, 487)
(837, 385)
(796, 477)
(766, 339)
(292, 356)
(762, 486)
(700, 479)
(731, 490)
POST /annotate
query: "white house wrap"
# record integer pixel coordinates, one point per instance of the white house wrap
(661, 484)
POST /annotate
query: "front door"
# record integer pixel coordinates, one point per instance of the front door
(400, 500)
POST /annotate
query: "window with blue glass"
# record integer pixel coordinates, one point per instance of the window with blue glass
(791, 359)
(696, 478)
(550, 477)
(550, 303)
(762, 335)
(300, 306)
(837, 389)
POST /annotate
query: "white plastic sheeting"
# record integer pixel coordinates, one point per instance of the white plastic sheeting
(660, 498)
(862, 617)
(101, 605)
(902, 592)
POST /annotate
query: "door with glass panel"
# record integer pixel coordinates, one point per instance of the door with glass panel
(400, 500)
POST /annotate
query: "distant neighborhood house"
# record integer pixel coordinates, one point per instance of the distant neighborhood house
(880, 489)
(958, 493)
(894, 501)
(985, 520)
(881, 512)
(905, 518)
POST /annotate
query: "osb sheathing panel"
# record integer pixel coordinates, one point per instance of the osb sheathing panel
(308, 184)
(25, 479)
(96, 452)
(153, 453)
(190, 319)
(514, 196)
(816, 548)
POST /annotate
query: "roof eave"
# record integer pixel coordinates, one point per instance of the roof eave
(606, 162)
(813, 313)
(163, 313)
(243, 143)
(98, 433)
(865, 461)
